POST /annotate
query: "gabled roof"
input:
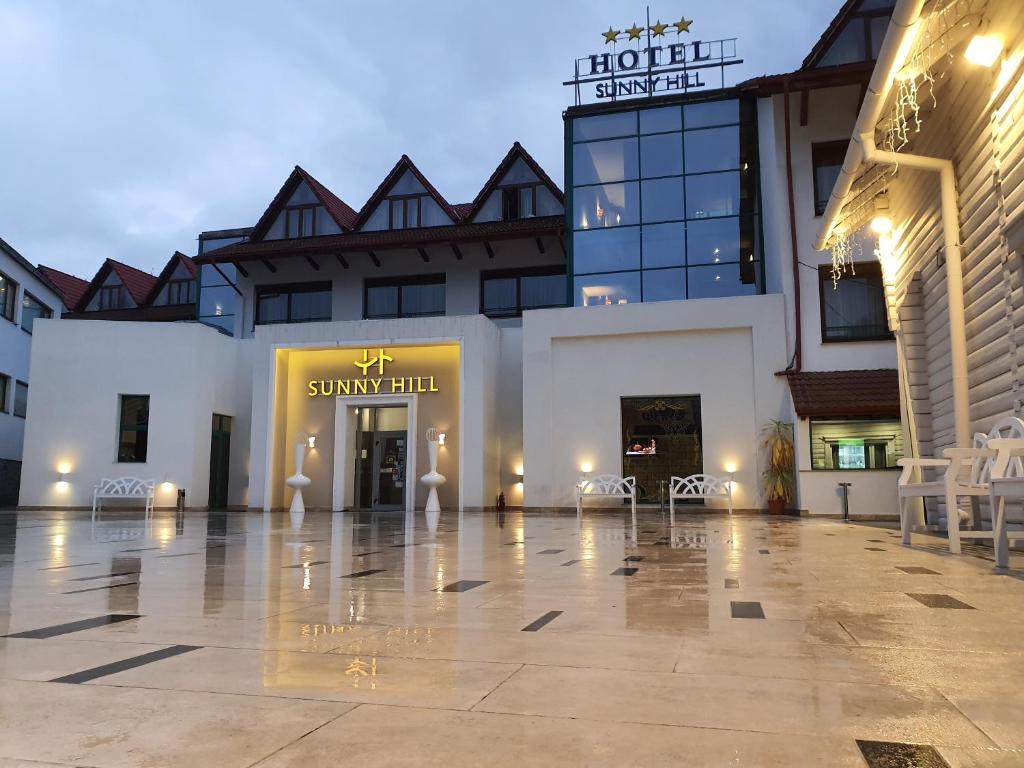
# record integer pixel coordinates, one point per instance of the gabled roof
(404, 164)
(68, 287)
(168, 271)
(846, 394)
(516, 152)
(136, 282)
(342, 214)
(830, 34)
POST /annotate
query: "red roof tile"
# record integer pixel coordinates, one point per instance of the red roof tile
(340, 212)
(846, 394)
(138, 283)
(404, 163)
(168, 271)
(517, 151)
(68, 286)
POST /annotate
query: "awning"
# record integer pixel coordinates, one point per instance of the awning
(846, 394)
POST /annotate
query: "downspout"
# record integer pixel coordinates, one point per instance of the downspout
(795, 367)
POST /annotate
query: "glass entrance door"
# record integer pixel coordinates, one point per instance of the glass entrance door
(381, 458)
(662, 437)
(389, 460)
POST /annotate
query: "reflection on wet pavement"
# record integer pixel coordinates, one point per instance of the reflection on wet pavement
(235, 639)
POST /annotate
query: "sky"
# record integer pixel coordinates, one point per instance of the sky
(129, 126)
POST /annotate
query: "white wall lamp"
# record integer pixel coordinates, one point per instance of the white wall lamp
(311, 441)
(441, 436)
(984, 50)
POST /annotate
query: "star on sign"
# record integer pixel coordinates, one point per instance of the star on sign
(635, 32)
(611, 35)
(659, 29)
(682, 25)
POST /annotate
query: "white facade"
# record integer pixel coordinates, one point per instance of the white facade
(15, 351)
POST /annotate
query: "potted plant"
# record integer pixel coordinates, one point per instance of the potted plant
(778, 478)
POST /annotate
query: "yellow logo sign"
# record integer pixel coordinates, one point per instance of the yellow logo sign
(372, 385)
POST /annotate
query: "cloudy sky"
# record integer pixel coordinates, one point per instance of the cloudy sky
(129, 126)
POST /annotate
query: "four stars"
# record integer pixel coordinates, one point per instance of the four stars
(657, 29)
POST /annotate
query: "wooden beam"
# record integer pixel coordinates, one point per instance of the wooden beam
(457, 252)
(239, 268)
(268, 265)
(540, 245)
(341, 260)
(805, 106)
(374, 259)
(423, 254)
(490, 251)
(312, 263)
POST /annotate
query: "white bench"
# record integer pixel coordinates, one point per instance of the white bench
(702, 487)
(606, 486)
(1006, 482)
(123, 488)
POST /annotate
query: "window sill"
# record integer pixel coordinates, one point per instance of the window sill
(863, 339)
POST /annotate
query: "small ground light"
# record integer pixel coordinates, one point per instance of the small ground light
(984, 50)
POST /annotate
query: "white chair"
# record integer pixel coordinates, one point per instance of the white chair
(606, 486)
(966, 473)
(702, 487)
(1007, 482)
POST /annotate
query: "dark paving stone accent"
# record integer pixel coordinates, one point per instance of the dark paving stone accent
(513, 543)
(624, 571)
(306, 565)
(366, 554)
(140, 549)
(97, 589)
(120, 666)
(874, 549)
(62, 567)
(182, 554)
(550, 551)
(360, 574)
(399, 546)
(547, 618)
(764, 551)
(75, 626)
(885, 754)
(830, 534)
(939, 601)
(462, 586)
(106, 576)
(744, 610)
(876, 541)
(633, 559)
(572, 562)
(917, 569)
(732, 583)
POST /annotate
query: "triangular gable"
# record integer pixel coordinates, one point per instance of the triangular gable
(514, 162)
(69, 287)
(178, 264)
(136, 282)
(300, 184)
(403, 172)
(838, 25)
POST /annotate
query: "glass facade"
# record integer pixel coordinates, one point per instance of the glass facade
(664, 203)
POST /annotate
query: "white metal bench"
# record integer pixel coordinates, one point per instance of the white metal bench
(967, 472)
(1006, 482)
(606, 486)
(123, 488)
(702, 487)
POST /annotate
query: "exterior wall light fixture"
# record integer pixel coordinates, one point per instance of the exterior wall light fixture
(441, 438)
(311, 441)
(984, 50)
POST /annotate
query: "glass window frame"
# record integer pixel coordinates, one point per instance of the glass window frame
(864, 18)
(289, 289)
(439, 278)
(136, 428)
(513, 192)
(174, 290)
(20, 386)
(106, 292)
(870, 269)
(45, 314)
(5, 388)
(300, 214)
(404, 201)
(8, 308)
(816, 421)
(518, 275)
(823, 155)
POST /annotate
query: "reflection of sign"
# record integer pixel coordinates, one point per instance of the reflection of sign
(643, 67)
(372, 385)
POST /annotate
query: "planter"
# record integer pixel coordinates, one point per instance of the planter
(776, 506)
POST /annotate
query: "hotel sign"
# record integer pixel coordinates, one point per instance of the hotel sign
(371, 379)
(647, 61)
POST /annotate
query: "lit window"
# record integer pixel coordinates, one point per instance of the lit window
(133, 436)
(853, 310)
(8, 296)
(856, 444)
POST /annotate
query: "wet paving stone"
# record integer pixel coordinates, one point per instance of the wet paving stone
(746, 610)
(882, 754)
(940, 601)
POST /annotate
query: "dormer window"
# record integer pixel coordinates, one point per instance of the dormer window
(405, 212)
(519, 201)
(112, 297)
(181, 292)
(861, 37)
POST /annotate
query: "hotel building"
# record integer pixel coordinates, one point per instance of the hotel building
(648, 321)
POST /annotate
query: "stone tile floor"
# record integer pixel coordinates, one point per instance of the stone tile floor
(359, 639)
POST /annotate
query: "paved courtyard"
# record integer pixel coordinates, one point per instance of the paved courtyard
(364, 640)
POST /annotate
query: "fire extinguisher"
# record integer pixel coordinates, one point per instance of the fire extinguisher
(501, 501)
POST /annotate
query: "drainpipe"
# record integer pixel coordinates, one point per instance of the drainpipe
(954, 269)
(798, 336)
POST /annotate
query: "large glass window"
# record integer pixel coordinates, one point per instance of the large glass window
(507, 293)
(5, 388)
(827, 161)
(8, 297)
(419, 296)
(31, 309)
(668, 188)
(21, 399)
(856, 444)
(300, 303)
(854, 309)
(133, 435)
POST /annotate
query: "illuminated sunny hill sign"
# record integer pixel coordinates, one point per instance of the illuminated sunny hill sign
(372, 385)
(649, 65)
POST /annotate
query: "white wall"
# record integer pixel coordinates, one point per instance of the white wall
(577, 363)
(82, 366)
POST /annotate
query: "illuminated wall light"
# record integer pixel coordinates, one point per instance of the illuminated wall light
(586, 467)
(984, 50)
(441, 437)
(730, 467)
(311, 441)
(881, 225)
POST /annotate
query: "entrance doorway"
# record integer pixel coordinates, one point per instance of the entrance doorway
(382, 448)
(661, 437)
(220, 452)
